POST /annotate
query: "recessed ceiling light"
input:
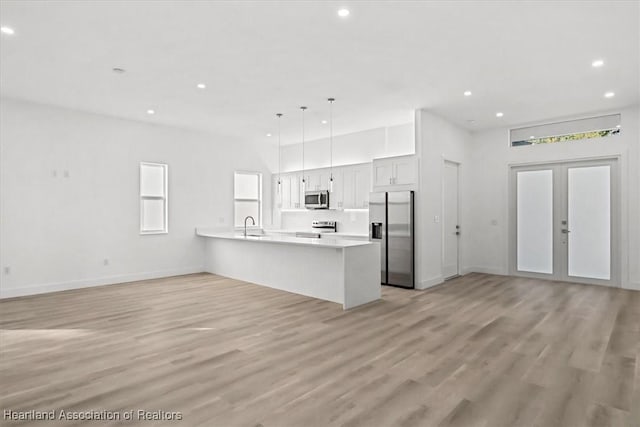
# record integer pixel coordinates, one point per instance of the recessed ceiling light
(609, 95)
(7, 30)
(467, 93)
(499, 114)
(618, 126)
(597, 63)
(324, 122)
(201, 86)
(118, 70)
(151, 112)
(343, 13)
(532, 137)
(268, 134)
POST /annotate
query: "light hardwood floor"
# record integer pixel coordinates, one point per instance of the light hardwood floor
(480, 350)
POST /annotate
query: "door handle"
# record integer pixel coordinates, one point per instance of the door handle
(565, 231)
(457, 233)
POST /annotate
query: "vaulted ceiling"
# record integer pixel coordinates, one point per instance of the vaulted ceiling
(531, 60)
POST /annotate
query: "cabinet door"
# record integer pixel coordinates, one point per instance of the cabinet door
(296, 188)
(349, 188)
(382, 173)
(322, 180)
(311, 181)
(404, 171)
(276, 192)
(285, 196)
(362, 186)
(336, 198)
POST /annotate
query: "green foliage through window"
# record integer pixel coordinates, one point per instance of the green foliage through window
(570, 137)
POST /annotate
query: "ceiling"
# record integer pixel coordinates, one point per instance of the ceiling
(530, 60)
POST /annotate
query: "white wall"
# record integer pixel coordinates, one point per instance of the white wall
(487, 190)
(353, 148)
(437, 140)
(57, 231)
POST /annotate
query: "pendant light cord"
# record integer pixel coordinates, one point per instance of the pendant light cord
(331, 139)
(303, 179)
(279, 115)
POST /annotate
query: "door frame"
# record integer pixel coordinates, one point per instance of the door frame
(560, 259)
(459, 200)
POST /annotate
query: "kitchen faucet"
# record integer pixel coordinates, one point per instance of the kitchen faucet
(245, 223)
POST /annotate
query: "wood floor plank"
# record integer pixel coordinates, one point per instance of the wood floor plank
(481, 350)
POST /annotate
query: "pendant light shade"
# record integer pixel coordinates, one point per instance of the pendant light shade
(304, 181)
(331, 101)
(279, 115)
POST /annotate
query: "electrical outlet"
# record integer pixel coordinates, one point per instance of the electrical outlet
(494, 222)
(7, 270)
(436, 219)
(106, 261)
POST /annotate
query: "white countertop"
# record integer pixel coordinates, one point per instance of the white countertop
(327, 241)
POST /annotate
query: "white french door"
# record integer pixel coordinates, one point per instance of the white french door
(450, 221)
(564, 221)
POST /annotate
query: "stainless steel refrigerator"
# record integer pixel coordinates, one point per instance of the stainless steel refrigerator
(391, 223)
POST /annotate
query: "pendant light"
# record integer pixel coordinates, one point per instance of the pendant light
(331, 100)
(304, 181)
(279, 115)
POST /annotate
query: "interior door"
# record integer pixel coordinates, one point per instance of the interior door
(564, 218)
(450, 221)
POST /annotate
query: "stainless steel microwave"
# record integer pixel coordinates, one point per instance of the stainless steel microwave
(316, 199)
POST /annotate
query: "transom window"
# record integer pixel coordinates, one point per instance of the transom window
(572, 130)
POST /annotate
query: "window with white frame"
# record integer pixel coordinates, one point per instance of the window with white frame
(154, 215)
(247, 197)
(570, 130)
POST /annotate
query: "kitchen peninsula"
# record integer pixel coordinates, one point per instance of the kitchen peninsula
(331, 269)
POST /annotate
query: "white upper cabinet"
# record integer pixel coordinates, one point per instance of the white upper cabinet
(336, 198)
(382, 173)
(351, 187)
(317, 179)
(357, 186)
(290, 197)
(297, 198)
(395, 171)
(404, 169)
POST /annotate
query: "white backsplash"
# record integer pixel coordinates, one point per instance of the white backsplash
(356, 222)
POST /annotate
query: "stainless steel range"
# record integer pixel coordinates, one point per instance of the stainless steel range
(322, 227)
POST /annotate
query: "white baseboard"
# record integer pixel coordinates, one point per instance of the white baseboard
(87, 283)
(486, 270)
(429, 283)
(634, 286)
